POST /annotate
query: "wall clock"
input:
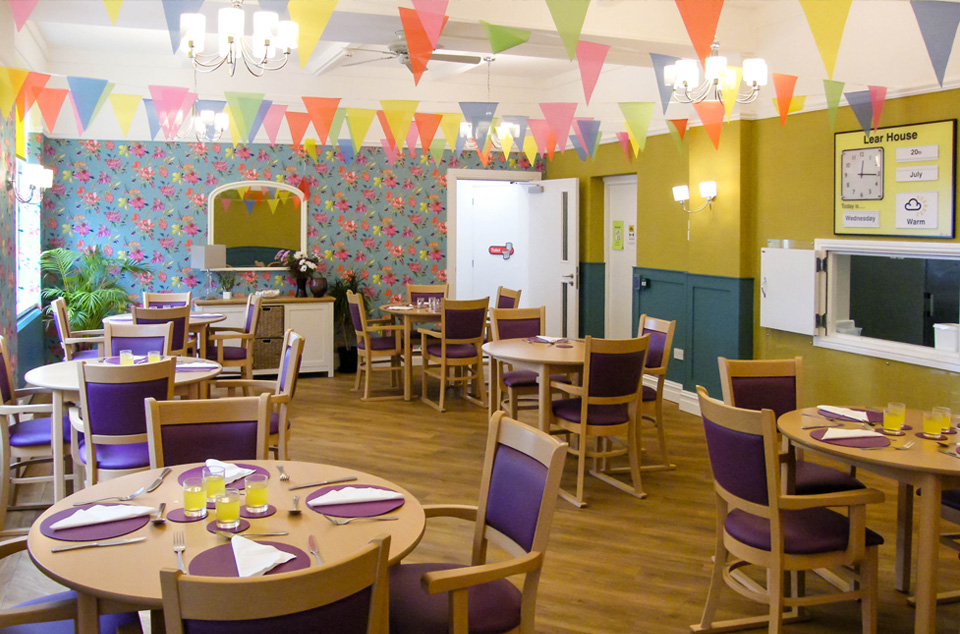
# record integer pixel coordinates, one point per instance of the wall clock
(862, 175)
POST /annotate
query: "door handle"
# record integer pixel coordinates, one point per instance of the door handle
(569, 279)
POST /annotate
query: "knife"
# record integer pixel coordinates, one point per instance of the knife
(314, 549)
(949, 453)
(232, 535)
(320, 484)
(116, 542)
(156, 483)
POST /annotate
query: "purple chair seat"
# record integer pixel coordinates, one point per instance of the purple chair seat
(454, 351)
(493, 607)
(230, 353)
(108, 622)
(950, 498)
(34, 432)
(526, 378)
(649, 394)
(275, 423)
(569, 410)
(379, 343)
(131, 456)
(86, 354)
(805, 532)
(812, 478)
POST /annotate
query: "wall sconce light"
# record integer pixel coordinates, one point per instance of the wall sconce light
(35, 177)
(708, 190)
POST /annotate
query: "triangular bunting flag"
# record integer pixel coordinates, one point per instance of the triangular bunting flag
(234, 128)
(244, 108)
(103, 100)
(436, 150)
(518, 131)
(258, 119)
(638, 116)
(784, 86)
(796, 104)
(590, 57)
(833, 91)
(530, 149)
(559, 117)
(700, 17)
(418, 44)
(297, 122)
(938, 25)
(590, 131)
(310, 147)
(398, 114)
(11, 82)
(249, 204)
(50, 101)
(450, 125)
(312, 16)
(633, 143)
(479, 114)
(113, 9)
(711, 115)
(540, 131)
(272, 204)
(581, 151)
(391, 152)
(169, 102)
(358, 121)
(322, 111)
(337, 124)
(431, 14)
(730, 87)
(387, 132)
(32, 85)
(347, 146)
(427, 125)
(878, 95)
(86, 94)
(659, 63)
(226, 203)
(125, 107)
(862, 107)
(21, 10)
(271, 123)
(568, 17)
(171, 11)
(624, 138)
(504, 37)
(411, 141)
(826, 20)
(679, 126)
(153, 121)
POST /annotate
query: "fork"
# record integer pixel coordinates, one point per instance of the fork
(283, 476)
(905, 445)
(119, 498)
(179, 545)
(340, 522)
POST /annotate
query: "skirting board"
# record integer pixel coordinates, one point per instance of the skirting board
(674, 392)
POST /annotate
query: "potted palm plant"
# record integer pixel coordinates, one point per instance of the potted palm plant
(345, 336)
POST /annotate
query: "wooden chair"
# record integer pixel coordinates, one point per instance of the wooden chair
(55, 613)
(281, 391)
(138, 338)
(775, 384)
(753, 514)
(426, 291)
(240, 356)
(75, 342)
(112, 418)
(346, 597)
(456, 346)
(378, 340)
(605, 408)
(658, 356)
(181, 432)
(166, 300)
(180, 318)
(507, 298)
(518, 493)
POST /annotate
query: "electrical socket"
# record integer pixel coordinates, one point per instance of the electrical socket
(678, 354)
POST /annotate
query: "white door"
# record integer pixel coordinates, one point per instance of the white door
(554, 217)
(620, 221)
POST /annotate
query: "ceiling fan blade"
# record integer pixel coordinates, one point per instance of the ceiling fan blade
(367, 61)
(459, 59)
(368, 50)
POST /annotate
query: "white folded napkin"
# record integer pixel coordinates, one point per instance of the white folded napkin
(353, 495)
(838, 434)
(402, 307)
(202, 315)
(231, 472)
(255, 559)
(99, 514)
(845, 411)
(547, 339)
(196, 364)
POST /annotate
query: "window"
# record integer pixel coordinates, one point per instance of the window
(28, 247)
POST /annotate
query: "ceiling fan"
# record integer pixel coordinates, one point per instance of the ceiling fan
(397, 49)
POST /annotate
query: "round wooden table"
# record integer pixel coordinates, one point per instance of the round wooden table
(543, 358)
(409, 316)
(921, 466)
(122, 578)
(63, 381)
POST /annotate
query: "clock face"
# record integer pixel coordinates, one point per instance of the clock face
(861, 176)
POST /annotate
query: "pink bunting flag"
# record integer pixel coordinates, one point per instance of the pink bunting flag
(878, 95)
(271, 122)
(169, 101)
(784, 86)
(431, 13)
(390, 151)
(225, 203)
(624, 138)
(559, 118)
(412, 135)
(590, 57)
(539, 129)
(21, 10)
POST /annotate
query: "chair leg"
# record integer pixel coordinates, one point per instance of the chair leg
(356, 380)
(368, 367)
(6, 486)
(716, 582)
(581, 466)
(775, 594)
(443, 381)
(633, 453)
(868, 586)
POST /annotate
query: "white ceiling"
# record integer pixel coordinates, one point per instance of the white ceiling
(882, 45)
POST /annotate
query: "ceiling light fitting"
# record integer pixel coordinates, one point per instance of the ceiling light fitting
(199, 124)
(708, 190)
(33, 176)
(717, 78)
(269, 48)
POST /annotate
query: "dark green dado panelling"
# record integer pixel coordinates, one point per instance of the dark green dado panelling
(714, 318)
(592, 285)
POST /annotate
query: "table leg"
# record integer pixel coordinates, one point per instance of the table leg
(56, 440)
(928, 535)
(88, 617)
(407, 358)
(544, 398)
(903, 566)
(201, 333)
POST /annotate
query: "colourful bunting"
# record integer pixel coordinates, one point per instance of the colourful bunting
(171, 11)
(827, 20)
(32, 86)
(398, 114)
(436, 150)
(337, 124)
(347, 147)
(796, 104)
(679, 126)
(624, 138)
(124, 108)
(86, 93)
(938, 23)
(391, 151)
(730, 88)
(418, 44)
(310, 146)
(50, 101)
(271, 123)
(479, 114)
(700, 17)
(784, 86)
(244, 109)
(171, 104)
(541, 134)
(427, 125)
(113, 9)
(312, 16)
(11, 82)
(504, 37)
(878, 95)
(258, 119)
(450, 125)
(322, 111)
(568, 16)
(581, 151)
(590, 57)
(411, 141)
(559, 118)
(862, 108)
(530, 149)
(387, 132)
(633, 143)
(153, 121)
(521, 125)
(833, 91)
(659, 63)
(711, 115)
(638, 116)
(432, 17)
(233, 126)
(358, 121)
(297, 122)
(21, 10)
(590, 133)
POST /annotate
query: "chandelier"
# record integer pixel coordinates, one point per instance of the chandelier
(268, 49)
(205, 125)
(684, 76)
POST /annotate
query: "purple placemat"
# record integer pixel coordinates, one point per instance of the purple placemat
(851, 442)
(137, 359)
(107, 530)
(926, 436)
(872, 416)
(219, 562)
(271, 509)
(177, 515)
(197, 472)
(242, 526)
(360, 509)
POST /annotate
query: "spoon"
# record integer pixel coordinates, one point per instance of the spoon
(296, 506)
(159, 520)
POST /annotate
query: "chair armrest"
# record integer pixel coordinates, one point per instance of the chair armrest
(436, 334)
(7, 410)
(212, 330)
(30, 391)
(460, 511)
(73, 340)
(255, 384)
(236, 335)
(75, 421)
(461, 578)
(856, 497)
(381, 320)
(574, 390)
(45, 612)
(659, 371)
(279, 399)
(98, 332)
(384, 328)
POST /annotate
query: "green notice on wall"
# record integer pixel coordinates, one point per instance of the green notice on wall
(617, 241)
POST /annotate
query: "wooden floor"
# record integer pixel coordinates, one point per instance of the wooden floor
(619, 565)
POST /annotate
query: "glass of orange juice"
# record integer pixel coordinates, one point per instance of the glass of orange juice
(126, 357)
(213, 482)
(228, 508)
(943, 413)
(255, 486)
(194, 498)
(932, 425)
(153, 356)
(893, 416)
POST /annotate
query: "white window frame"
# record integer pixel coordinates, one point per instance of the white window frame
(20, 207)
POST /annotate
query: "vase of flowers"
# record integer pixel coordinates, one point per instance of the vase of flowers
(302, 267)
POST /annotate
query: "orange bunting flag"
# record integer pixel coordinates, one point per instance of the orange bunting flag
(321, 111)
(427, 125)
(701, 18)
(298, 122)
(50, 101)
(418, 43)
(878, 95)
(711, 115)
(680, 125)
(32, 86)
(784, 86)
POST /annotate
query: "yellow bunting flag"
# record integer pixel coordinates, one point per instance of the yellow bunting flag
(310, 145)
(450, 125)
(826, 20)
(796, 104)
(113, 9)
(634, 143)
(638, 115)
(399, 114)
(312, 16)
(20, 138)
(730, 88)
(234, 128)
(530, 149)
(506, 140)
(125, 107)
(272, 203)
(11, 81)
(358, 121)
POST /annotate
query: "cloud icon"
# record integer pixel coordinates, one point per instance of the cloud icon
(913, 205)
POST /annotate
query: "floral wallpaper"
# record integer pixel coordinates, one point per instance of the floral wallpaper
(148, 201)
(8, 239)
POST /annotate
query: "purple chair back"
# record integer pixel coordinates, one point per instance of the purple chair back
(137, 345)
(289, 368)
(738, 462)
(180, 329)
(506, 301)
(116, 409)
(464, 323)
(252, 309)
(655, 352)
(234, 440)
(356, 317)
(614, 375)
(778, 393)
(517, 328)
(167, 304)
(347, 616)
(517, 482)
